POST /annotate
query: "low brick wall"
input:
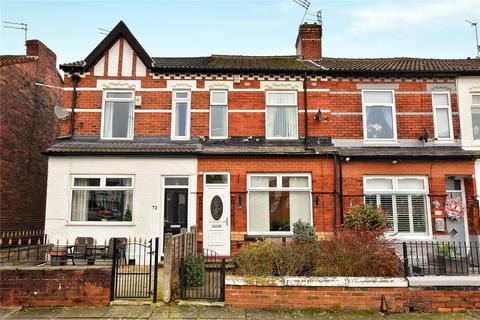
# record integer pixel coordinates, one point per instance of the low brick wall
(347, 294)
(55, 286)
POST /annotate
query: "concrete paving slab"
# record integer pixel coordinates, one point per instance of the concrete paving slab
(183, 312)
(7, 311)
(82, 312)
(36, 313)
(220, 313)
(160, 313)
(129, 312)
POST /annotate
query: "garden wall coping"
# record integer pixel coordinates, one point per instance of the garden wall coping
(358, 282)
(444, 281)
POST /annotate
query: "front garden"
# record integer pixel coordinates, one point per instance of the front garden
(358, 249)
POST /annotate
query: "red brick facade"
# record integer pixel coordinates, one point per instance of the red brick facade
(29, 91)
(48, 287)
(419, 299)
(337, 96)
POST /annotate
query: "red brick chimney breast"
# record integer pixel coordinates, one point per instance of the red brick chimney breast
(40, 50)
(309, 41)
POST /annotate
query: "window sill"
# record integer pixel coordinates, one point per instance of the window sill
(250, 237)
(380, 143)
(99, 223)
(407, 237)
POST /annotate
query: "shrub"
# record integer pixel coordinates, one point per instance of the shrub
(367, 218)
(194, 270)
(303, 232)
(256, 259)
(353, 253)
(296, 258)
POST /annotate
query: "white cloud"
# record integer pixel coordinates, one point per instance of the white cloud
(389, 16)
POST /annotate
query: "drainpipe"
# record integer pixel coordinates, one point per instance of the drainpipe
(75, 78)
(335, 174)
(305, 103)
(340, 178)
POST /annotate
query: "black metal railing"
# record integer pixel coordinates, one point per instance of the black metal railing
(213, 284)
(449, 258)
(29, 251)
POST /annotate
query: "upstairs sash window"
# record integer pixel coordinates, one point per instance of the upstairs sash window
(117, 119)
(476, 115)
(282, 115)
(442, 115)
(404, 200)
(379, 120)
(218, 114)
(181, 115)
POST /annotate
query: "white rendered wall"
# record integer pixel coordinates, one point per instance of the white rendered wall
(148, 175)
(466, 86)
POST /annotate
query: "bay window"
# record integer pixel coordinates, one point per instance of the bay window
(281, 115)
(218, 114)
(181, 115)
(442, 113)
(102, 199)
(403, 199)
(379, 121)
(277, 201)
(117, 115)
(476, 115)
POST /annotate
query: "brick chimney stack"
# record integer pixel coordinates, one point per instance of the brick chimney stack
(44, 54)
(309, 41)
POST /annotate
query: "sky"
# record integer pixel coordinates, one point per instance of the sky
(351, 28)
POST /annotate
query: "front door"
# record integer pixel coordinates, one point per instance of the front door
(175, 204)
(216, 213)
(457, 229)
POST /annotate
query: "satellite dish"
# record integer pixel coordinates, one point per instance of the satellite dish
(60, 112)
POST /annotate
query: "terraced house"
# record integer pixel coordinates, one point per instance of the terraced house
(244, 146)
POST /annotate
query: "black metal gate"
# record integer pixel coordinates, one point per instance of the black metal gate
(213, 285)
(133, 264)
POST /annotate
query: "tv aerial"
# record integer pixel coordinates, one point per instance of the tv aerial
(474, 25)
(18, 26)
(309, 16)
(103, 31)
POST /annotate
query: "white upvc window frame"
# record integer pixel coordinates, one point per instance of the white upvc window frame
(132, 113)
(450, 120)
(267, 106)
(103, 178)
(474, 107)
(188, 100)
(396, 190)
(217, 105)
(279, 187)
(392, 105)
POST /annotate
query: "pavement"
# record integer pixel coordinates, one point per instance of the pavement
(203, 312)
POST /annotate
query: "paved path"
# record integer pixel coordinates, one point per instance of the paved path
(187, 312)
